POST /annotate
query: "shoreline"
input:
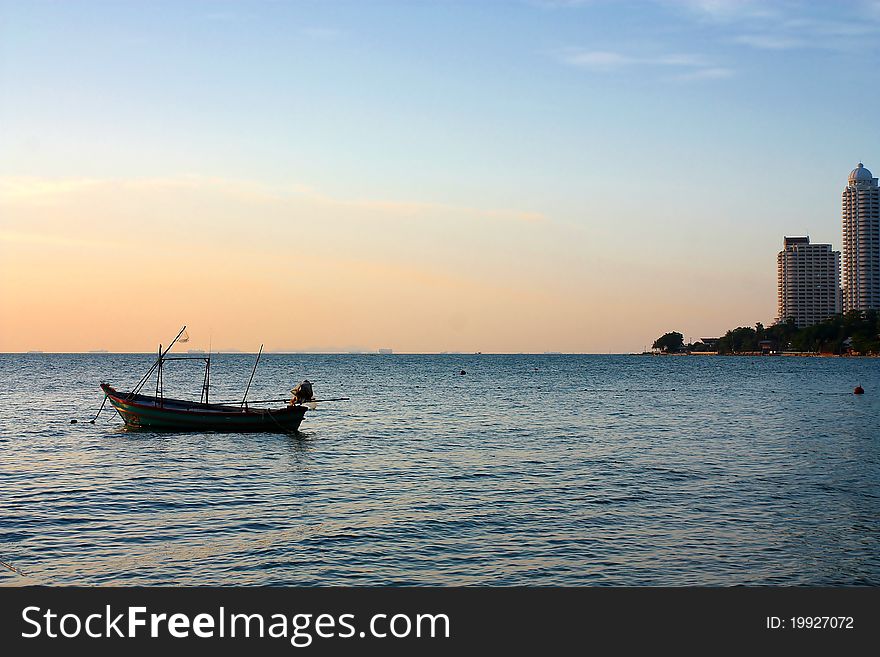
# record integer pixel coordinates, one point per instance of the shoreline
(786, 354)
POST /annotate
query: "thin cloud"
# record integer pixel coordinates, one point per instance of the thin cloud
(712, 73)
(686, 60)
(416, 208)
(556, 4)
(54, 239)
(32, 188)
(597, 60)
(832, 28)
(26, 189)
(724, 11)
(791, 25)
(769, 41)
(762, 25)
(688, 66)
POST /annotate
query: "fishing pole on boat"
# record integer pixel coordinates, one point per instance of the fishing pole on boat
(278, 401)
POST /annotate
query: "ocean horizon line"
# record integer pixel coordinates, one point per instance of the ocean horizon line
(329, 353)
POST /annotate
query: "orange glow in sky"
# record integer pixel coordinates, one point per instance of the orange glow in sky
(120, 264)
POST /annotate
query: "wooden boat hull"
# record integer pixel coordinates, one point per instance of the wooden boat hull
(145, 412)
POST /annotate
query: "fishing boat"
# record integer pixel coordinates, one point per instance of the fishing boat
(141, 411)
(148, 412)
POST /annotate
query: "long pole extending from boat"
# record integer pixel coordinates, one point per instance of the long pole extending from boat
(286, 399)
(253, 371)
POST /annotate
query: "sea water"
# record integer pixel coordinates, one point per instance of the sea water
(525, 470)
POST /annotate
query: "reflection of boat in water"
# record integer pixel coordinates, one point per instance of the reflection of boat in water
(159, 412)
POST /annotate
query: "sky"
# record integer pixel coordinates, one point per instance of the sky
(520, 176)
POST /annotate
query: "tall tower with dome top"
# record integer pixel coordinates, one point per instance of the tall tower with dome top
(861, 241)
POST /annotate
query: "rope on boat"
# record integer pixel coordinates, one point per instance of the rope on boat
(14, 569)
(92, 421)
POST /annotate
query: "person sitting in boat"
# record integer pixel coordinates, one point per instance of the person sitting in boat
(302, 393)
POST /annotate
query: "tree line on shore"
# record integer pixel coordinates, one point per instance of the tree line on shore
(855, 332)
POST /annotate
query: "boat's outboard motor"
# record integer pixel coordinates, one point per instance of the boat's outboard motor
(302, 393)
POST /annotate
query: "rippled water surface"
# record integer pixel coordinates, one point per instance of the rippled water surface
(535, 470)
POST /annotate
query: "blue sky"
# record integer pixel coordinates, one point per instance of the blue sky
(680, 138)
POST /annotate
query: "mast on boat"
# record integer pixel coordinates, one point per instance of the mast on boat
(158, 364)
(207, 381)
(253, 371)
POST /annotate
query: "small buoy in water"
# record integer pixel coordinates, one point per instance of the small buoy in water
(858, 390)
(91, 421)
(73, 421)
(462, 372)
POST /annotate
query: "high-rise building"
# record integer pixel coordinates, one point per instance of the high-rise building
(861, 241)
(808, 281)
